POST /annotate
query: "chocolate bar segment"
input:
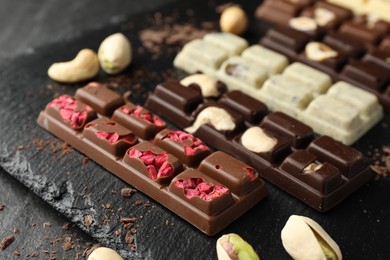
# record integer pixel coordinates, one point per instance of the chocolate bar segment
(201, 191)
(347, 159)
(298, 134)
(232, 173)
(139, 120)
(70, 111)
(251, 109)
(323, 177)
(98, 96)
(152, 161)
(189, 149)
(110, 136)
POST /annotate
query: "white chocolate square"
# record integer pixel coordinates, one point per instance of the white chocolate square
(316, 80)
(271, 61)
(240, 74)
(231, 43)
(286, 95)
(199, 55)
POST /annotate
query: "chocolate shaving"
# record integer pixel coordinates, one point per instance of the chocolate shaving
(2, 206)
(46, 224)
(6, 242)
(35, 254)
(67, 245)
(127, 192)
(16, 253)
(125, 220)
(88, 220)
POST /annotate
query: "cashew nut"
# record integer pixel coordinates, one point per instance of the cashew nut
(256, 140)
(84, 66)
(115, 53)
(219, 118)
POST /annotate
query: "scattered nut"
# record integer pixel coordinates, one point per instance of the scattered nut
(303, 23)
(234, 20)
(312, 167)
(323, 16)
(207, 84)
(104, 253)
(84, 66)
(256, 140)
(304, 239)
(318, 51)
(115, 53)
(217, 117)
(232, 247)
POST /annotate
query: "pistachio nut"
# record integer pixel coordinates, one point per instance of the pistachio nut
(115, 53)
(104, 253)
(233, 247)
(219, 118)
(305, 239)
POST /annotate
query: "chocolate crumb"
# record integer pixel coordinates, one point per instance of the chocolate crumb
(87, 251)
(66, 226)
(20, 147)
(138, 202)
(118, 232)
(2, 206)
(88, 220)
(16, 253)
(6, 242)
(46, 224)
(129, 238)
(125, 220)
(127, 192)
(46, 252)
(67, 245)
(16, 230)
(85, 160)
(35, 254)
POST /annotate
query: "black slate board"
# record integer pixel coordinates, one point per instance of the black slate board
(360, 225)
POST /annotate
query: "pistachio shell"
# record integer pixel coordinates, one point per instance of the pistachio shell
(115, 53)
(232, 246)
(305, 239)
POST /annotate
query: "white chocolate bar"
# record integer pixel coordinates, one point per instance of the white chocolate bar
(271, 61)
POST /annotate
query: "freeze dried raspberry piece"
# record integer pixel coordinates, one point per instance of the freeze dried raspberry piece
(157, 165)
(139, 112)
(201, 191)
(197, 187)
(71, 110)
(189, 149)
(110, 136)
(190, 142)
(114, 137)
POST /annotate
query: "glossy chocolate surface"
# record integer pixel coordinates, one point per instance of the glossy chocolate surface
(160, 167)
(342, 171)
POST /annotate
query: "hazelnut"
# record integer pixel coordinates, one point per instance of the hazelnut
(234, 20)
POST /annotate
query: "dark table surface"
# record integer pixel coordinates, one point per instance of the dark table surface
(25, 30)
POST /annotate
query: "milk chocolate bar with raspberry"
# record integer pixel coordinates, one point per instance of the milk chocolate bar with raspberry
(165, 167)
